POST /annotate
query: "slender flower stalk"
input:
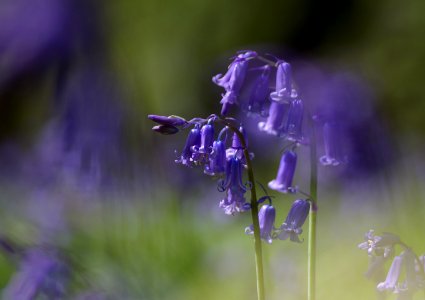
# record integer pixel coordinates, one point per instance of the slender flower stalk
(311, 292)
(254, 214)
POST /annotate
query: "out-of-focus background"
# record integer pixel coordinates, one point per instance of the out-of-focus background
(90, 194)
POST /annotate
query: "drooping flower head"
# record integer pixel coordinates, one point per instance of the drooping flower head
(285, 174)
(293, 130)
(274, 124)
(266, 217)
(193, 140)
(234, 187)
(233, 80)
(391, 282)
(260, 92)
(217, 159)
(332, 142)
(382, 245)
(200, 153)
(283, 92)
(294, 221)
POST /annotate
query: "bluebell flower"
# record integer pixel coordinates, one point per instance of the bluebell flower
(217, 159)
(200, 153)
(234, 187)
(283, 92)
(266, 217)
(274, 122)
(237, 149)
(259, 93)
(233, 80)
(332, 143)
(234, 202)
(382, 245)
(285, 173)
(294, 221)
(293, 130)
(171, 120)
(391, 281)
(193, 140)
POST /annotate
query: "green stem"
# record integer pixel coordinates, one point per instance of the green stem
(311, 285)
(254, 214)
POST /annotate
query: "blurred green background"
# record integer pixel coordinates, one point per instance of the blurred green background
(156, 236)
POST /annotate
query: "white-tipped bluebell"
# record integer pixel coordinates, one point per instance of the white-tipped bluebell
(294, 221)
(260, 92)
(285, 174)
(332, 144)
(217, 160)
(193, 140)
(266, 217)
(293, 129)
(284, 92)
(235, 189)
(274, 124)
(237, 148)
(200, 154)
(382, 245)
(391, 281)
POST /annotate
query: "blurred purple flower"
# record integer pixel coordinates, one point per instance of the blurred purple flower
(260, 92)
(274, 123)
(283, 92)
(391, 282)
(266, 217)
(285, 173)
(295, 220)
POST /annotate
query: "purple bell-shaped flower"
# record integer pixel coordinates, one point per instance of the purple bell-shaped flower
(217, 160)
(284, 92)
(193, 141)
(233, 80)
(234, 187)
(266, 217)
(274, 122)
(285, 173)
(391, 281)
(293, 130)
(259, 93)
(294, 221)
(200, 154)
(332, 144)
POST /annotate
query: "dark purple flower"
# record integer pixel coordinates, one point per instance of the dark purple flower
(293, 130)
(294, 221)
(171, 120)
(237, 149)
(193, 140)
(165, 129)
(266, 217)
(260, 91)
(285, 173)
(200, 153)
(233, 80)
(234, 187)
(217, 159)
(274, 122)
(284, 92)
(332, 143)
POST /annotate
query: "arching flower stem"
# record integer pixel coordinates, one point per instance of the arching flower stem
(254, 210)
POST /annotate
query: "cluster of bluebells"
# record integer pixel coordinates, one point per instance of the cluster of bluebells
(271, 95)
(406, 274)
